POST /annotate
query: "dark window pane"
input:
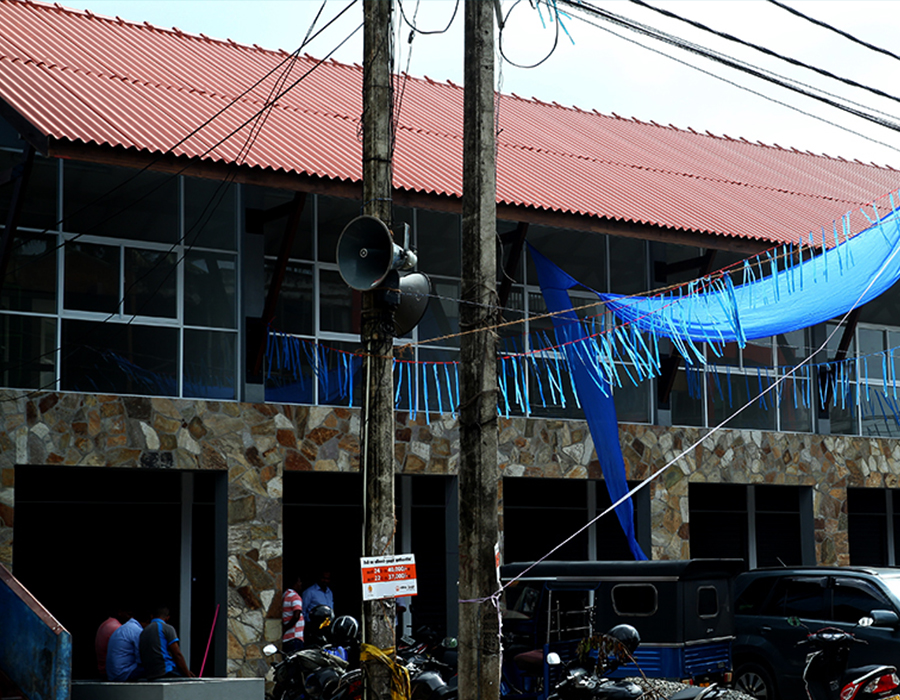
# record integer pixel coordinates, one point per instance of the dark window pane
(266, 212)
(27, 352)
(753, 597)
(867, 526)
(729, 392)
(707, 602)
(290, 375)
(633, 401)
(686, 399)
(438, 236)
(634, 599)
(294, 312)
(151, 285)
(437, 386)
(120, 202)
(441, 320)
(119, 358)
(9, 136)
(560, 505)
(92, 277)
(855, 599)
(339, 310)
(30, 283)
(209, 364)
(210, 219)
(333, 215)
(628, 265)
(801, 598)
(209, 290)
(579, 253)
(39, 206)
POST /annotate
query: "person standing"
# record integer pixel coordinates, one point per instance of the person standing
(318, 594)
(161, 656)
(123, 657)
(292, 621)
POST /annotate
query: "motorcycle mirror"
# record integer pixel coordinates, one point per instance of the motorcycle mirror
(553, 659)
(794, 622)
(866, 621)
(450, 643)
(270, 649)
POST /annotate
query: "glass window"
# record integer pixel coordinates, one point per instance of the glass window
(627, 265)
(119, 358)
(582, 255)
(38, 209)
(9, 136)
(633, 401)
(799, 597)
(209, 364)
(635, 599)
(92, 277)
(209, 289)
(333, 216)
(100, 200)
(27, 352)
(30, 283)
(441, 321)
(438, 235)
(686, 399)
(151, 285)
(210, 219)
(294, 312)
(707, 601)
(266, 212)
(290, 371)
(730, 392)
(438, 380)
(339, 305)
(854, 599)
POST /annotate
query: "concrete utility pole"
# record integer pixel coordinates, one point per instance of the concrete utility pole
(377, 330)
(479, 644)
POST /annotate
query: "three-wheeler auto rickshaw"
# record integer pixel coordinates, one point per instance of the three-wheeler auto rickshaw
(682, 610)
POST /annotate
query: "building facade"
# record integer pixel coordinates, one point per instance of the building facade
(162, 440)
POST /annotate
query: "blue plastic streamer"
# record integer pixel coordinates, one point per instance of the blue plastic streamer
(427, 405)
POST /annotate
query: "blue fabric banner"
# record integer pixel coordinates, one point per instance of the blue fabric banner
(592, 386)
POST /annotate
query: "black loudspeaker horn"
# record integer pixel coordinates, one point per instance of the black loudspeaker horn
(366, 253)
(415, 291)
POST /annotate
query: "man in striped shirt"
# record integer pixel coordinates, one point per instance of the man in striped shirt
(292, 618)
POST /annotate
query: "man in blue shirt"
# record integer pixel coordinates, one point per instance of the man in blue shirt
(318, 594)
(123, 656)
(160, 654)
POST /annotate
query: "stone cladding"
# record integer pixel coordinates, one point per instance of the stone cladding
(256, 443)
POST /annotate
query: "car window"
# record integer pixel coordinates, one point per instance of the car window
(799, 597)
(855, 598)
(751, 599)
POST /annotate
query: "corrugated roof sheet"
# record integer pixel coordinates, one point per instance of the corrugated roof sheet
(80, 77)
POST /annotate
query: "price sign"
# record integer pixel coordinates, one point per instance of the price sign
(390, 576)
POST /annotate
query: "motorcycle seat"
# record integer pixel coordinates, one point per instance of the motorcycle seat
(531, 662)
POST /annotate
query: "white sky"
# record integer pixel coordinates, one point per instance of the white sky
(607, 73)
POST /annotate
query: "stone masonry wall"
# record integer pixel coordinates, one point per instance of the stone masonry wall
(256, 443)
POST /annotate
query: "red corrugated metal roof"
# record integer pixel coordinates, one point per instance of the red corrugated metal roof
(80, 77)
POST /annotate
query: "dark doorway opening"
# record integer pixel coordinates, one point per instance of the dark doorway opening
(91, 540)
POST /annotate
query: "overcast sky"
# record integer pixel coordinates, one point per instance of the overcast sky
(609, 72)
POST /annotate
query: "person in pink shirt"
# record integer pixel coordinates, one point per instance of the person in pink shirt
(104, 632)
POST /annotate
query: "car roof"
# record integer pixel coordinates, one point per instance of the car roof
(879, 571)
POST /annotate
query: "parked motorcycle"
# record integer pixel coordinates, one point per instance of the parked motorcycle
(827, 677)
(587, 677)
(320, 670)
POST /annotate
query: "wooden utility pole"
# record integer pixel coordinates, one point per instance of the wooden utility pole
(479, 629)
(377, 329)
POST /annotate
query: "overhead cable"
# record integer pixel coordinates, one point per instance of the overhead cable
(825, 25)
(764, 50)
(724, 60)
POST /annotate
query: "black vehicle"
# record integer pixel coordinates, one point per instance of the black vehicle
(767, 663)
(827, 677)
(682, 610)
